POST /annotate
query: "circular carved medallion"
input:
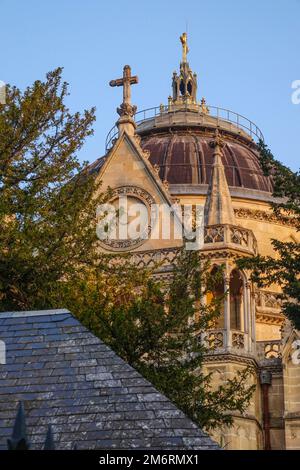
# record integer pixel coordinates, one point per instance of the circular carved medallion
(129, 222)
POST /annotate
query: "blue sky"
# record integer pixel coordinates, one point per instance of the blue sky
(246, 55)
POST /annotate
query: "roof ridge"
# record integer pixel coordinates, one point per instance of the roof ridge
(34, 313)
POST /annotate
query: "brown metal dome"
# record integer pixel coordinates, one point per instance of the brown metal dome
(178, 134)
(185, 157)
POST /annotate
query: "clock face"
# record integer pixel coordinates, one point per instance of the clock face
(125, 222)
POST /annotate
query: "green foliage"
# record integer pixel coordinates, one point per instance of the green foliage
(157, 327)
(286, 186)
(284, 267)
(46, 209)
(49, 258)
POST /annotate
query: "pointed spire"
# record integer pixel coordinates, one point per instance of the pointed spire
(18, 439)
(49, 442)
(218, 205)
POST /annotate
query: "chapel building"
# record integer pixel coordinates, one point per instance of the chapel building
(187, 152)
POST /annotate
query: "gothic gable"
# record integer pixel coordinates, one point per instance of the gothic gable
(126, 170)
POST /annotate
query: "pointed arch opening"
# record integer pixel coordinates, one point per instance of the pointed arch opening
(182, 87)
(217, 293)
(236, 300)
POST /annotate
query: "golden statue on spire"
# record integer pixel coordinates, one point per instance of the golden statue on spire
(185, 49)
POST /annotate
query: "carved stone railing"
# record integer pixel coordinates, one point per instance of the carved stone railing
(216, 340)
(237, 339)
(230, 236)
(165, 257)
(268, 349)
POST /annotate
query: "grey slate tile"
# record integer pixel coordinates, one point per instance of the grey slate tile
(67, 377)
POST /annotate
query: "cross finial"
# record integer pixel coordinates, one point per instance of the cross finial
(126, 108)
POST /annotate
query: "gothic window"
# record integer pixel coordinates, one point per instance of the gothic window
(217, 293)
(189, 88)
(236, 300)
(181, 87)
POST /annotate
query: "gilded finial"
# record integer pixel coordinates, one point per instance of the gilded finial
(184, 84)
(185, 49)
(203, 106)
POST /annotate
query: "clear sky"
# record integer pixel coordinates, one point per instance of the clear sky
(246, 55)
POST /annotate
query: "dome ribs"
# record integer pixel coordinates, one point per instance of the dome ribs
(234, 169)
(185, 157)
(200, 159)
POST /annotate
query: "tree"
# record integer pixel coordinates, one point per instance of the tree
(49, 258)
(284, 267)
(156, 326)
(47, 208)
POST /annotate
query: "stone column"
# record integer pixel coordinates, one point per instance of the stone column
(247, 312)
(227, 311)
(252, 319)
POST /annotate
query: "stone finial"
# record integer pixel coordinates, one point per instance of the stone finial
(126, 110)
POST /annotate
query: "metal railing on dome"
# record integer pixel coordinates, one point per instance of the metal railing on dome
(223, 116)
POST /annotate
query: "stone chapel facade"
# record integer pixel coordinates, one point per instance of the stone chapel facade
(191, 153)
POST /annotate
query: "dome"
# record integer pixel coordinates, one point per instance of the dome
(184, 156)
(178, 135)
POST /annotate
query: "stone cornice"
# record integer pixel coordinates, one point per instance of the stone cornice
(233, 358)
(265, 216)
(269, 318)
(235, 192)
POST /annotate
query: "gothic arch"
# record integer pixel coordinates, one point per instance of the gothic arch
(236, 300)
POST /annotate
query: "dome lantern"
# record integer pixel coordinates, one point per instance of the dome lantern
(184, 84)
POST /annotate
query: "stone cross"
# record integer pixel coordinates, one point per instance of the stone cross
(126, 108)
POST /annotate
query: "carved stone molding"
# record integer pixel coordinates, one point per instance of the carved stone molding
(229, 357)
(137, 139)
(269, 318)
(268, 307)
(271, 349)
(141, 196)
(221, 254)
(257, 214)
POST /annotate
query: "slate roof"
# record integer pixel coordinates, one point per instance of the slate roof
(96, 166)
(68, 378)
